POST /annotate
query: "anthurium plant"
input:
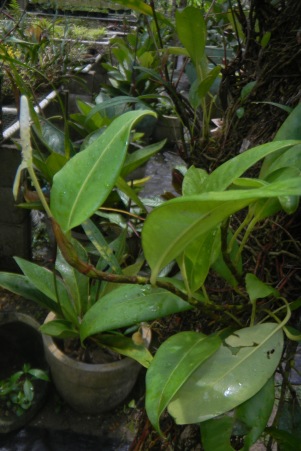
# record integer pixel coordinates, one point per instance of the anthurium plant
(82, 309)
(198, 378)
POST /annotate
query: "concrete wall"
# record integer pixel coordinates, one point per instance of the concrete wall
(15, 229)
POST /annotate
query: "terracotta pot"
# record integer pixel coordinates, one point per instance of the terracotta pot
(90, 388)
(21, 342)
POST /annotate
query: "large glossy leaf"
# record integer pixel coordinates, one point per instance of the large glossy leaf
(43, 280)
(192, 32)
(171, 227)
(255, 413)
(174, 362)
(235, 373)
(225, 174)
(130, 305)
(19, 284)
(84, 183)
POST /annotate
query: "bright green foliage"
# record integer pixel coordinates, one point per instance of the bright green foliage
(128, 305)
(176, 359)
(85, 182)
(78, 315)
(173, 226)
(257, 289)
(192, 32)
(235, 373)
(17, 391)
(191, 29)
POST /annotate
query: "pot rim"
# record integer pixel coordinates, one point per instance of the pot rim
(50, 344)
(11, 316)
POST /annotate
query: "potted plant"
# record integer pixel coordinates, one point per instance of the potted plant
(86, 312)
(23, 370)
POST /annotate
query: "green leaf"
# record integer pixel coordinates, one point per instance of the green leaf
(59, 328)
(255, 412)
(20, 285)
(193, 181)
(200, 88)
(76, 283)
(142, 8)
(28, 390)
(192, 32)
(197, 260)
(54, 163)
(172, 226)
(39, 374)
(289, 417)
(285, 108)
(220, 267)
(286, 440)
(225, 174)
(126, 346)
(85, 182)
(139, 157)
(53, 138)
(240, 112)
(108, 107)
(290, 158)
(216, 434)
(93, 123)
(129, 305)
(43, 280)
(99, 242)
(123, 186)
(244, 182)
(290, 129)
(265, 39)
(246, 90)
(235, 373)
(257, 289)
(174, 362)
